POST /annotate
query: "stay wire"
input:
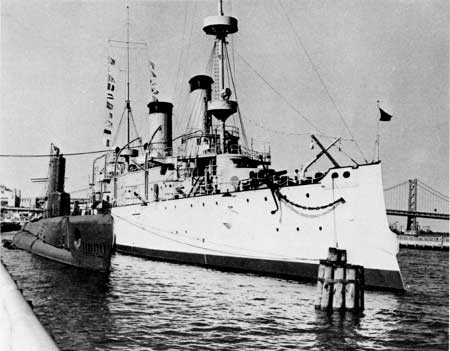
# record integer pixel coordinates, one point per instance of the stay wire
(279, 94)
(299, 41)
(49, 155)
(241, 122)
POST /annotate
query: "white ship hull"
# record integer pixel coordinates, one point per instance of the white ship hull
(238, 232)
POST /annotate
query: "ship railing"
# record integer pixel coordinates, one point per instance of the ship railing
(217, 128)
(265, 156)
(208, 188)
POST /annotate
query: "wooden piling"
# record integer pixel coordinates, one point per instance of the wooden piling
(327, 287)
(319, 285)
(340, 286)
(350, 288)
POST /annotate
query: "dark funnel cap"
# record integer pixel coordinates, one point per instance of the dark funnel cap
(200, 82)
(160, 107)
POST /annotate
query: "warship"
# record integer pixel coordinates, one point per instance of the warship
(214, 202)
(84, 241)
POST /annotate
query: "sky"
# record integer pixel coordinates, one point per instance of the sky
(297, 64)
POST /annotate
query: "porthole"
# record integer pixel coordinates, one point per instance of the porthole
(334, 175)
(191, 205)
(265, 198)
(203, 204)
(346, 174)
(217, 203)
(320, 228)
(298, 228)
(278, 229)
(248, 200)
(307, 194)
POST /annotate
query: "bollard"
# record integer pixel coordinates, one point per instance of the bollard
(340, 286)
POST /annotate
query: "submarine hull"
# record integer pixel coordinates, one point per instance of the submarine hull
(80, 241)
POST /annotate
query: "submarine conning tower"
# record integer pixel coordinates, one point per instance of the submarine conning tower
(160, 115)
(200, 89)
(220, 26)
(58, 201)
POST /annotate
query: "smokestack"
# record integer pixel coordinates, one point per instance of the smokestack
(200, 90)
(160, 114)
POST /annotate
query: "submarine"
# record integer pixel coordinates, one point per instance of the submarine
(84, 241)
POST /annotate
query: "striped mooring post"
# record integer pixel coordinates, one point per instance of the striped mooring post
(340, 286)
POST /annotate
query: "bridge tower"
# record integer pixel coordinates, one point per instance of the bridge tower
(411, 223)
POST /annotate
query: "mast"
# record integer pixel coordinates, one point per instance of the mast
(128, 105)
(222, 108)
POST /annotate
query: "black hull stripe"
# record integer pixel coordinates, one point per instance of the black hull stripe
(375, 278)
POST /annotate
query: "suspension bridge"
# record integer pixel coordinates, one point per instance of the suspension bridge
(414, 199)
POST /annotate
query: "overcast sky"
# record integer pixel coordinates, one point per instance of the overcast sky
(53, 76)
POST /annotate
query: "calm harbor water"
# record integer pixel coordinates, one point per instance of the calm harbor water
(147, 305)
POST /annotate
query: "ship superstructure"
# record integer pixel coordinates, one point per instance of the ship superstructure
(215, 202)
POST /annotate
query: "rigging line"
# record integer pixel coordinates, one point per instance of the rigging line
(299, 41)
(232, 45)
(195, 105)
(134, 125)
(241, 122)
(279, 94)
(281, 132)
(188, 49)
(116, 135)
(351, 159)
(49, 155)
(182, 48)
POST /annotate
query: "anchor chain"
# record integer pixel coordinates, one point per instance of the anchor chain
(310, 208)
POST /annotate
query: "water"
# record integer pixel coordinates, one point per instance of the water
(146, 305)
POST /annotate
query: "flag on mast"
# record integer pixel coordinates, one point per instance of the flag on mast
(384, 116)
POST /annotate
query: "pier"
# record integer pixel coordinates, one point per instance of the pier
(19, 327)
(427, 242)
